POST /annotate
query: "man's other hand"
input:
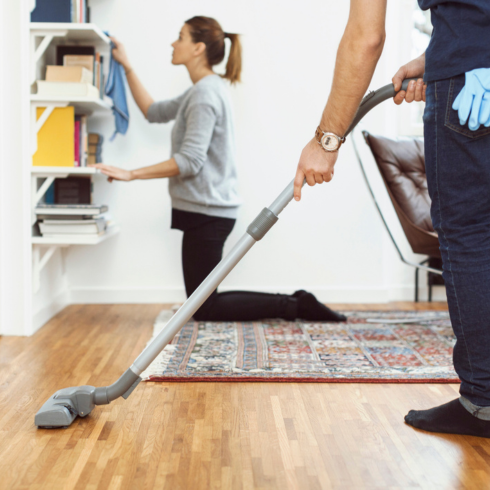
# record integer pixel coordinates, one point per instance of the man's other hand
(416, 90)
(315, 165)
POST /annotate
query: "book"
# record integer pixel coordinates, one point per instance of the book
(80, 11)
(55, 141)
(79, 227)
(83, 141)
(52, 11)
(66, 89)
(97, 70)
(77, 141)
(77, 217)
(73, 190)
(81, 74)
(74, 209)
(102, 77)
(95, 138)
(67, 49)
(87, 61)
(49, 195)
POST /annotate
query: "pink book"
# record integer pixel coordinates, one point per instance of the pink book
(77, 143)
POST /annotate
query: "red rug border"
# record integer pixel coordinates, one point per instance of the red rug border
(251, 379)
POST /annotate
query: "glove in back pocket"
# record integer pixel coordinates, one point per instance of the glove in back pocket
(452, 119)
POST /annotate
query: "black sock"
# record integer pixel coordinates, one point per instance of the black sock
(310, 309)
(450, 418)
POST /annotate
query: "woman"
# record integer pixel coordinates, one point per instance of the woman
(202, 173)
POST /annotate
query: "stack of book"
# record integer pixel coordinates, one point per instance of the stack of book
(61, 11)
(95, 148)
(79, 72)
(64, 141)
(72, 219)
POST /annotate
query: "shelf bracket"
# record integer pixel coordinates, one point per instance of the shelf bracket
(38, 124)
(39, 262)
(42, 190)
(42, 47)
(37, 194)
(44, 117)
(38, 52)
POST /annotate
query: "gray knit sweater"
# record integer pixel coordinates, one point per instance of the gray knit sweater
(204, 148)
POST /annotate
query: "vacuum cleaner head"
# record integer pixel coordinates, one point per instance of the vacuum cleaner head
(63, 407)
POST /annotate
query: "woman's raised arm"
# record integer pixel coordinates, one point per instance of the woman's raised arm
(141, 96)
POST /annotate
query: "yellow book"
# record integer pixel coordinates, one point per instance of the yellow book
(55, 139)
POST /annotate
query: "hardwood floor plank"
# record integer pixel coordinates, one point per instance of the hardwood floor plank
(214, 435)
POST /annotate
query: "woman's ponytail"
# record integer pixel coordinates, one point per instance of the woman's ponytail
(234, 63)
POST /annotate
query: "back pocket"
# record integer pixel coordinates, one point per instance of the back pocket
(452, 119)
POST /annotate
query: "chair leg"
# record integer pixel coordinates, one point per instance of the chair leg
(430, 288)
(416, 285)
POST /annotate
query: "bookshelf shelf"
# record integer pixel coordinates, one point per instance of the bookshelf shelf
(62, 172)
(71, 32)
(75, 239)
(82, 104)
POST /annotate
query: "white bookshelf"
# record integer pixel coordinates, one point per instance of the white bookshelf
(71, 32)
(62, 172)
(82, 105)
(65, 240)
(43, 37)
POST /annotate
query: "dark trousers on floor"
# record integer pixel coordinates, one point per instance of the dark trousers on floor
(202, 249)
(458, 176)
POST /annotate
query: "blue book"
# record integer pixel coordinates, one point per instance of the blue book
(52, 11)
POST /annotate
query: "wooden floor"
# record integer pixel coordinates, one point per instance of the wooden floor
(212, 435)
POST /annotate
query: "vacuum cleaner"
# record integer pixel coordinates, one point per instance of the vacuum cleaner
(65, 405)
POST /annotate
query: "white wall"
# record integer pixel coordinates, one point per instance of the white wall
(14, 275)
(21, 312)
(331, 243)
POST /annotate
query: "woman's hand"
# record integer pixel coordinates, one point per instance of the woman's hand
(119, 54)
(416, 90)
(114, 173)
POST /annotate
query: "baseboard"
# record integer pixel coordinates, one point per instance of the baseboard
(126, 295)
(332, 294)
(46, 313)
(407, 293)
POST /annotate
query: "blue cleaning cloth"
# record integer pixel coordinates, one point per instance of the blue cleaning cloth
(474, 99)
(115, 88)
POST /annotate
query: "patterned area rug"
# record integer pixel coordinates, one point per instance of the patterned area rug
(372, 346)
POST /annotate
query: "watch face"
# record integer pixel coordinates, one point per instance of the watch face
(330, 142)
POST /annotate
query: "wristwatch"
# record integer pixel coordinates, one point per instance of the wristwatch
(328, 141)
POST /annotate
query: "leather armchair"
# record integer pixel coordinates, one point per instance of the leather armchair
(401, 163)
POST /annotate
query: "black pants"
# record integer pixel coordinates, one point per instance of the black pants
(202, 249)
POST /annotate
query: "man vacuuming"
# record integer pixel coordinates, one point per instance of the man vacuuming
(456, 72)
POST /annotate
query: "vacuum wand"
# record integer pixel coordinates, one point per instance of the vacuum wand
(61, 409)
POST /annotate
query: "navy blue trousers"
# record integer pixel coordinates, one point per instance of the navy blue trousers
(458, 175)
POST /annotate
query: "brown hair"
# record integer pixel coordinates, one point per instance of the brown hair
(208, 31)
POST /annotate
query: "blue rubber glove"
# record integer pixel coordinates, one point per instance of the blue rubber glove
(474, 99)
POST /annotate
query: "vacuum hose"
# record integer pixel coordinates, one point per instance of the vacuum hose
(372, 99)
